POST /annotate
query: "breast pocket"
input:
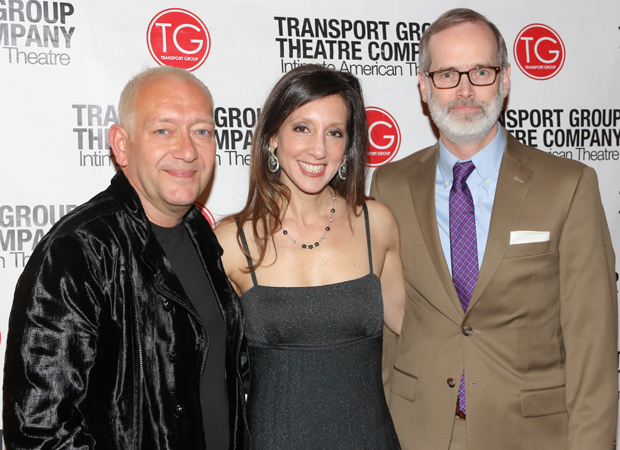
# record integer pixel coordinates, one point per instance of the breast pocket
(403, 385)
(529, 249)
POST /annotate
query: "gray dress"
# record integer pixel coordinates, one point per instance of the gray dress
(315, 364)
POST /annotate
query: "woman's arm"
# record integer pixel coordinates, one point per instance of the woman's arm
(389, 268)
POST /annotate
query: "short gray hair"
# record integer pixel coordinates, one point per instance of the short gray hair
(456, 17)
(126, 112)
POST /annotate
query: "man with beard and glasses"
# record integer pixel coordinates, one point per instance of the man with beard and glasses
(510, 331)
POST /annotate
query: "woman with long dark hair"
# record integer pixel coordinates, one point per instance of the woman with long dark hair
(318, 267)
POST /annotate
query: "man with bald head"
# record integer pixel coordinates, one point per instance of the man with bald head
(124, 331)
(510, 330)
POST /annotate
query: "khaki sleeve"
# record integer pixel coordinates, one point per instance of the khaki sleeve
(589, 320)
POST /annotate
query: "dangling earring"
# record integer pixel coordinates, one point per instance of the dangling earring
(342, 170)
(273, 163)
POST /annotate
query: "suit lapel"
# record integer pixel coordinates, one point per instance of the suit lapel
(512, 186)
(422, 187)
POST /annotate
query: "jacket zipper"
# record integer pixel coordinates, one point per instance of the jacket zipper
(141, 384)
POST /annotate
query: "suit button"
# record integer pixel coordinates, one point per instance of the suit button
(180, 410)
(174, 357)
(167, 305)
(450, 382)
(467, 331)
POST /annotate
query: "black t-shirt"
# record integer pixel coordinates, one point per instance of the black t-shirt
(213, 393)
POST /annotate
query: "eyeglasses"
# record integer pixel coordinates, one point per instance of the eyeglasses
(448, 79)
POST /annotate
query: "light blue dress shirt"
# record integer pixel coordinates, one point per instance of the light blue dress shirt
(482, 183)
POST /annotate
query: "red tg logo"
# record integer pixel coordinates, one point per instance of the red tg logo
(177, 37)
(539, 52)
(383, 136)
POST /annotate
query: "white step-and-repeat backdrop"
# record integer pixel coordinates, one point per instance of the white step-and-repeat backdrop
(64, 63)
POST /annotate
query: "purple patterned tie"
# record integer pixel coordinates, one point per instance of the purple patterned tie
(463, 244)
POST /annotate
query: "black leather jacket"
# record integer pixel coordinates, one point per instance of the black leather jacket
(104, 349)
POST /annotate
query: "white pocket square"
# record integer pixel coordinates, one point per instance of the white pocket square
(526, 237)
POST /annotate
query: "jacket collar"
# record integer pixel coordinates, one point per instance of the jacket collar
(126, 196)
(199, 230)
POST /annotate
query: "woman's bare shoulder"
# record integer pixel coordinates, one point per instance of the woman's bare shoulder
(226, 230)
(381, 215)
(226, 233)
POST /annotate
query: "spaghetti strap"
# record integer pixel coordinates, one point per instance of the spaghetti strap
(244, 242)
(368, 237)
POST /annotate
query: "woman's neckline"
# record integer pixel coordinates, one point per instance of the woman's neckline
(310, 287)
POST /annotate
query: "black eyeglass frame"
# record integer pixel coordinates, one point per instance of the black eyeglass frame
(497, 70)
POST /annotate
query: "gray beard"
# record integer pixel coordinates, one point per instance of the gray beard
(465, 129)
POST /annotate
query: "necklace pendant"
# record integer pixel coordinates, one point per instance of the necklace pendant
(331, 219)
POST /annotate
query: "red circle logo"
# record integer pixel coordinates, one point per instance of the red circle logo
(383, 136)
(206, 213)
(177, 37)
(539, 52)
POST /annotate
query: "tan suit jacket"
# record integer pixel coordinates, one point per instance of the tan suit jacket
(541, 358)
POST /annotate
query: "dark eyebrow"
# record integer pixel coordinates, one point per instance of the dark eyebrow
(474, 67)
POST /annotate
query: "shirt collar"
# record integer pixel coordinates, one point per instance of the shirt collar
(487, 160)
